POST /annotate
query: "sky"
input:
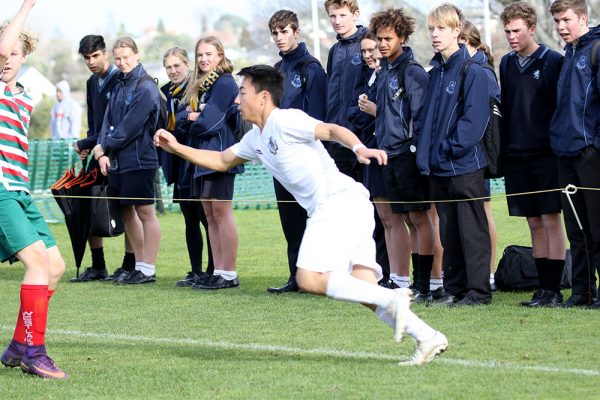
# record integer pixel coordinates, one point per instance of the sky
(76, 18)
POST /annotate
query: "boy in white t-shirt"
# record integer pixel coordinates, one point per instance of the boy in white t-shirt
(337, 254)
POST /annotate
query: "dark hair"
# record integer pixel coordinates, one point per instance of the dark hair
(90, 44)
(396, 19)
(471, 35)
(265, 77)
(283, 18)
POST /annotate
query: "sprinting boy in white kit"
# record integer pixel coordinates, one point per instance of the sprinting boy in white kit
(337, 254)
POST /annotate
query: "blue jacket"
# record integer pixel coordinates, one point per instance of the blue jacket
(365, 123)
(449, 144)
(344, 78)
(214, 128)
(308, 96)
(396, 114)
(130, 122)
(97, 95)
(576, 122)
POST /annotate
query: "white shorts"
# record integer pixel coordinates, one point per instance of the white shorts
(339, 234)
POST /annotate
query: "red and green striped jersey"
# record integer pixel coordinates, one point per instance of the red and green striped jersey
(15, 113)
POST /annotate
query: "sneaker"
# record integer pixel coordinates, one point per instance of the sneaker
(91, 274)
(12, 355)
(116, 275)
(136, 278)
(217, 282)
(41, 365)
(398, 309)
(426, 350)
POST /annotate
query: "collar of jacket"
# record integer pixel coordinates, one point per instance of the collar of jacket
(461, 54)
(295, 54)
(358, 35)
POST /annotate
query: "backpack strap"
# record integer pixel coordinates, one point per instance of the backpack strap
(462, 74)
(401, 75)
(302, 67)
(594, 63)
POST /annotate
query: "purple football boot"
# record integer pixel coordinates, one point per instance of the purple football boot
(35, 361)
(12, 355)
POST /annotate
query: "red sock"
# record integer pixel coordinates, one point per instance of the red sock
(50, 293)
(33, 314)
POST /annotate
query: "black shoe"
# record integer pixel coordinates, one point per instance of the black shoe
(137, 277)
(550, 299)
(190, 280)
(290, 286)
(470, 300)
(595, 305)
(438, 293)
(389, 284)
(217, 282)
(447, 300)
(116, 275)
(578, 300)
(537, 295)
(421, 297)
(91, 274)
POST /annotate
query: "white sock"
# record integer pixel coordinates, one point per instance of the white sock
(415, 326)
(435, 283)
(401, 280)
(227, 275)
(492, 280)
(345, 287)
(146, 269)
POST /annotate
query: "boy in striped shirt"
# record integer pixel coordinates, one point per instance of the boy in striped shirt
(24, 235)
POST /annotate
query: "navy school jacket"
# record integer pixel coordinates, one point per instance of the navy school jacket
(494, 87)
(97, 96)
(213, 130)
(576, 122)
(307, 96)
(449, 144)
(171, 164)
(129, 123)
(396, 114)
(344, 78)
(365, 123)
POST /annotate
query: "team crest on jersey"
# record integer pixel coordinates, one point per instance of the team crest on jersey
(357, 59)
(536, 74)
(273, 147)
(129, 98)
(297, 81)
(451, 87)
(394, 83)
(582, 63)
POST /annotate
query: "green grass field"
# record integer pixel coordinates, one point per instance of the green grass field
(162, 342)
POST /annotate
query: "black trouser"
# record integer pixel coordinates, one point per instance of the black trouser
(193, 214)
(583, 170)
(465, 234)
(381, 248)
(293, 222)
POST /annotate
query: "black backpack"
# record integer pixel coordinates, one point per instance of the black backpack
(490, 141)
(301, 66)
(516, 270)
(160, 118)
(401, 74)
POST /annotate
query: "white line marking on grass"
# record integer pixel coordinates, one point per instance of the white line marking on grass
(501, 365)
